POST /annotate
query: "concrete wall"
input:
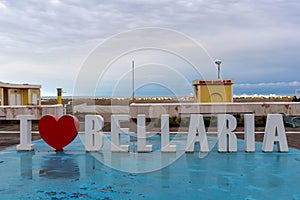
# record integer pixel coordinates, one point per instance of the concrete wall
(176, 109)
(104, 111)
(154, 110)
(11, 112)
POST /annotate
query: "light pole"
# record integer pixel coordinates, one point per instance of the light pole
(218, 62)
(132, 65)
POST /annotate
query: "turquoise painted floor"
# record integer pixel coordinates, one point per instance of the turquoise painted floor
(45, 174)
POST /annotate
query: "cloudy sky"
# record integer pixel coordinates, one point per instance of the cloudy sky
(46, 42)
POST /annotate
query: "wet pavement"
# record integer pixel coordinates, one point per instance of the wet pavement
(46, 174)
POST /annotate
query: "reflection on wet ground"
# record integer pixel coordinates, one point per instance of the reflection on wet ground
(59, 165)
(46, 174)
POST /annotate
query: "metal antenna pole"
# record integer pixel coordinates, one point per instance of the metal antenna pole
(218, 62)
(218, 71)
(132, 81)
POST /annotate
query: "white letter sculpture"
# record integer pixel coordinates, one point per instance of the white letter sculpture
(249, 133)
(93, 134)
(165, 135)
(141, 135)
(226, 124)
(197, 134)
(275, 123)
(25, 133)
(116, 131)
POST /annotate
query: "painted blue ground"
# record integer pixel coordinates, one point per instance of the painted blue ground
(45, 174)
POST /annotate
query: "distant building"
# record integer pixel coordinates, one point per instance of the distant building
(210, 91)
(19, 94)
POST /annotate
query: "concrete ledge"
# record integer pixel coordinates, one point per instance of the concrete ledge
(104, 111)
(176, 109)
(11, 112)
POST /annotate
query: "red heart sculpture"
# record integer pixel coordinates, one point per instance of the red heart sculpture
(58, 133)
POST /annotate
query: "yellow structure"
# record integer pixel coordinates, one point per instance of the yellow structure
(59, 96)
(19, 94)
(209, 91)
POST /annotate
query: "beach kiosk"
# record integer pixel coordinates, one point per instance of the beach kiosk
(19, 94)
(211, 91)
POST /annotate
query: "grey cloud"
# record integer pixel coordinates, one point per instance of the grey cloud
(250, 36)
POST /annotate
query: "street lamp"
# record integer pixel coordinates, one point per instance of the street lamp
(132, 65)
(218, 62)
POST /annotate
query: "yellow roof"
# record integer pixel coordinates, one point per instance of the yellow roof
(19, 86)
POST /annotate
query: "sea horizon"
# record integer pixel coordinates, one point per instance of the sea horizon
(168, 96)
(239, 89)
